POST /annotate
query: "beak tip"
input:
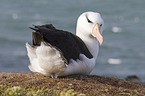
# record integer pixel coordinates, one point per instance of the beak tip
(101, 41)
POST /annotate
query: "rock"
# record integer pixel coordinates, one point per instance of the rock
(133, 78)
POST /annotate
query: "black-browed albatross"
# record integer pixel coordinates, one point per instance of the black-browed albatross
(60, 53)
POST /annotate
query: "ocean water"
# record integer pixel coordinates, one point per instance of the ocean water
(123, 50)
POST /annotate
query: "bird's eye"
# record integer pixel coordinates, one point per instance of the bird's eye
(89, 21)
(100, 25)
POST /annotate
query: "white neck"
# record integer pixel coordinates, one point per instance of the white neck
(84, 30)
(91, 43)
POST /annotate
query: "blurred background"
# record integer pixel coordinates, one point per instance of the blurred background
(123, 50)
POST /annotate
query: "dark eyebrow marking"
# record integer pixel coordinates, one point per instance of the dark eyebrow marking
(89, 21)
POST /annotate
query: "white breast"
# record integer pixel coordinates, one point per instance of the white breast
(83, 65)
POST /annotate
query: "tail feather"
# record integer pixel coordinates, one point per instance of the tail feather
(31, 52)
(37, 38)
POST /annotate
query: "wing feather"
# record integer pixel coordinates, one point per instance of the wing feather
(69, 44)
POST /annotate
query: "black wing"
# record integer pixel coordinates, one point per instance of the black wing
(70, 45)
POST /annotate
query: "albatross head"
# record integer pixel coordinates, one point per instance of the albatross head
(89, 28)
(90, 24)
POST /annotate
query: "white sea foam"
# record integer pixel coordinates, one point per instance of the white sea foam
(114, 61)
(116, 29)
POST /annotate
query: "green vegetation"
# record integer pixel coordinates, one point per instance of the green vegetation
(18, 91)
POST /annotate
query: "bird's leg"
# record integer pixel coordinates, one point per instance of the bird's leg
(53, 75)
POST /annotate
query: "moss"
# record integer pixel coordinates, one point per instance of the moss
(15, 91)
(18, 91)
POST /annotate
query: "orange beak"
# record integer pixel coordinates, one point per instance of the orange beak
(96, 33)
